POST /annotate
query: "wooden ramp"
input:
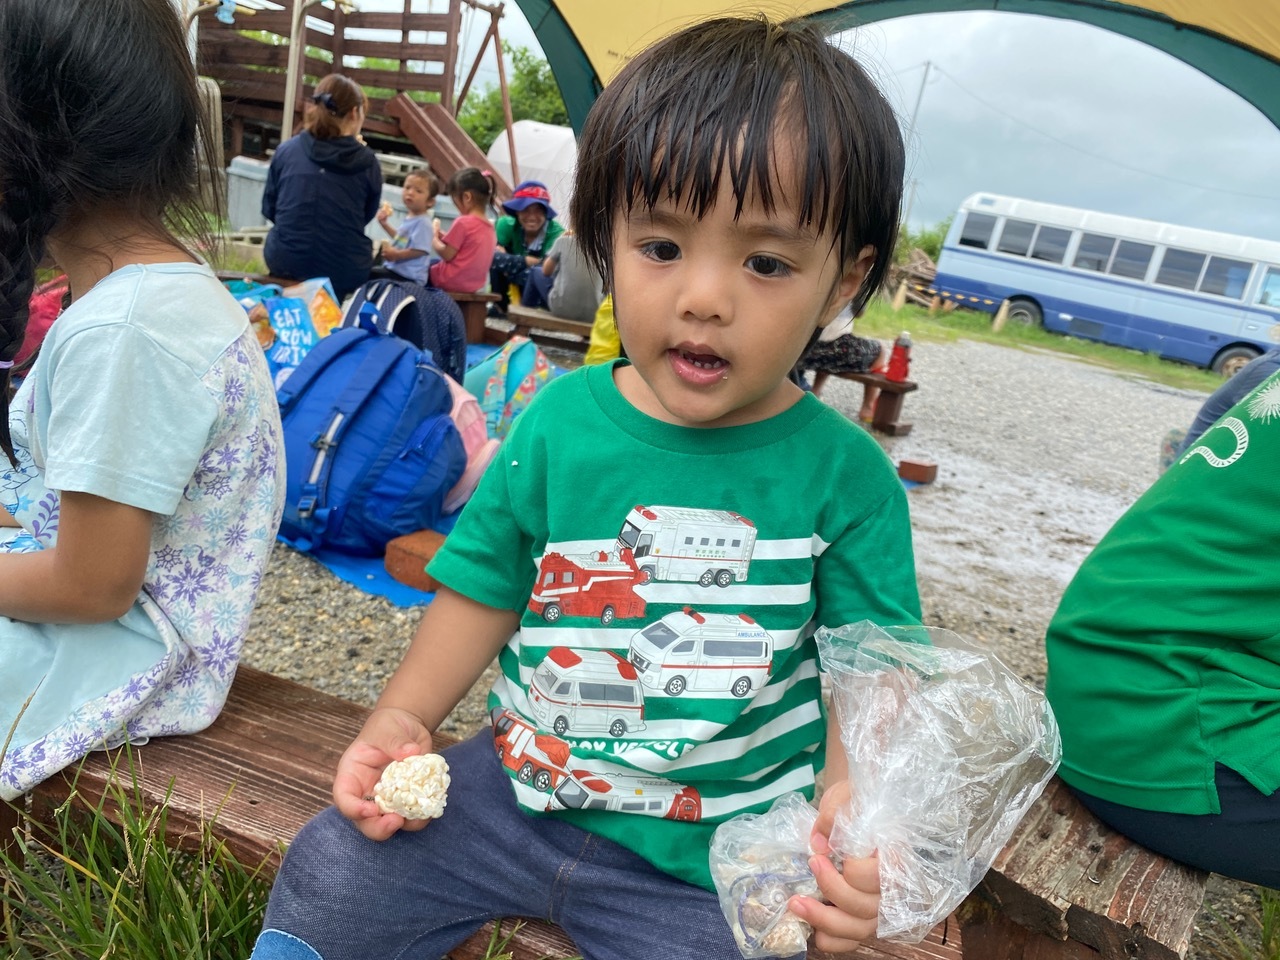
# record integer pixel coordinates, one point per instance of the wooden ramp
(442, 143)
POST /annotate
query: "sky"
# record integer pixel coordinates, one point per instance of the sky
(1046, 109)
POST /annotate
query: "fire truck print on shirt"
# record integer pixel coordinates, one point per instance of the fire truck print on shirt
(625, 650)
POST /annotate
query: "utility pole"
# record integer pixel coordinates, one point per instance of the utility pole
(910, 135)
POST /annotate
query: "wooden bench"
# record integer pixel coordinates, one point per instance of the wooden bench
(533, 323)
(1064, 887)
(888, 406)
(474, 306)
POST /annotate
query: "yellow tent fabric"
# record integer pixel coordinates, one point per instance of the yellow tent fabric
(609, 32)
(1237, 42)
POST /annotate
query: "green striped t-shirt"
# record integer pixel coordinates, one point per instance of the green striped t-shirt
(670, 580)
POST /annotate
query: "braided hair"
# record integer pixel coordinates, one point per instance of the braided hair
(99, 112)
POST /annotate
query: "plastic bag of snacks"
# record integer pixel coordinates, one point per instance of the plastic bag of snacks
(947, 750)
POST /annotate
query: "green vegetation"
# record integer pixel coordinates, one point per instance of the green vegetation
(946, 327)
(1261, 937)
(534, 96)
(84, 886)
(929, 239)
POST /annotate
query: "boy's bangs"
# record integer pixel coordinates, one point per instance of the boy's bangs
(749, 140)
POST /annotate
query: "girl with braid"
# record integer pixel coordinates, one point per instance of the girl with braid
(141, 464)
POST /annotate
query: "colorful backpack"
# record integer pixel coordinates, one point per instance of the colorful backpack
(371, 450)
(505, 382)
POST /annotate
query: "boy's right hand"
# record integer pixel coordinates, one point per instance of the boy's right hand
(389, 734)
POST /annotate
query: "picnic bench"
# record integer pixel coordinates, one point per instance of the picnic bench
(888, 406)
(535, 323)
(1064, 887)
(474, 306)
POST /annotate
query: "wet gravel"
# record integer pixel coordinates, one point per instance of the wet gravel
(1037, 455)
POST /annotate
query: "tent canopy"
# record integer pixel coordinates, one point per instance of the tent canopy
(1236, 42)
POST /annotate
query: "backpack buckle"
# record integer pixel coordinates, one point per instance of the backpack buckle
(306, 507)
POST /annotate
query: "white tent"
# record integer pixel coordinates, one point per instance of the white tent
(543, 152)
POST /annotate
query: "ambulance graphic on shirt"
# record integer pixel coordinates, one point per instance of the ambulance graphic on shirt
(644, 619)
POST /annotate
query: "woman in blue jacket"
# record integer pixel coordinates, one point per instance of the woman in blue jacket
(323, 186)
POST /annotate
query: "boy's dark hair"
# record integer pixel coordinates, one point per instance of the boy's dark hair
(479, 182)
(336, 96)
(711, 100)
(430, 182)
(99, 112)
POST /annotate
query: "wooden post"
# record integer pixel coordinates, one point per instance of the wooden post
(1001, 318)
(935, 304)
(900, 297)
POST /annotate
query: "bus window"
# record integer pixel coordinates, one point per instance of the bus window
(1226, 278)
(1016, 237)
(1180, 268)
(1131, 260)
(1094, 252)
(1051, 244)
(977, 231)
(1269, 295)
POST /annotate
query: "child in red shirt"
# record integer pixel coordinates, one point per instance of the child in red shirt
(467, 249)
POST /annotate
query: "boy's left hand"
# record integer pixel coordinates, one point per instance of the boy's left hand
(850, 918)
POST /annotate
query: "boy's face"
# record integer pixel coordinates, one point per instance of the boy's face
(532, 218)
(416, 197)
(714, 313)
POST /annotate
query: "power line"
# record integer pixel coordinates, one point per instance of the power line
(1096, 156)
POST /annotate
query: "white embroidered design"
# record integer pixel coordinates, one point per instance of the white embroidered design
(1242, 443)
(1266, 402)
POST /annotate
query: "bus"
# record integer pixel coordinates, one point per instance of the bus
(1197, 296)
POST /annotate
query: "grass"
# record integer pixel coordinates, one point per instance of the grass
(882, 322)
(1263, 936)
(85, 886)
(94, 884)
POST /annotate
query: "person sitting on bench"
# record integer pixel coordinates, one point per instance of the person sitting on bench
(839, 350)
(1164, 656)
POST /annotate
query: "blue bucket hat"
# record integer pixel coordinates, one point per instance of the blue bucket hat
(530, 191)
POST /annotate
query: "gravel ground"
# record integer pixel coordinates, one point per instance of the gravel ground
(1037, 455)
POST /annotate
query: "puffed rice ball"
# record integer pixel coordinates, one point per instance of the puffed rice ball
(414, 787)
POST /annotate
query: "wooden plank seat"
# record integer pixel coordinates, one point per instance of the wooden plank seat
(1064, 887)
(888, 408)
(532, 322)
(474, 306)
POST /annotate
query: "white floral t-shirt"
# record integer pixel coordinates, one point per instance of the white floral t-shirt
(151, 390)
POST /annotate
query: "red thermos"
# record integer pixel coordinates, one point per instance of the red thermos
(900, 358)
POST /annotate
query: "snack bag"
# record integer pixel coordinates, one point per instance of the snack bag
(322, 303)
(294, 336)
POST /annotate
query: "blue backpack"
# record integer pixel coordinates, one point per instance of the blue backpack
(370, 448)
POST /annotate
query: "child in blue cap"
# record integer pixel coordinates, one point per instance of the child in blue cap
(525, 236)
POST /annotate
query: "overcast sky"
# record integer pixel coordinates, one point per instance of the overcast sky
(1052, 110)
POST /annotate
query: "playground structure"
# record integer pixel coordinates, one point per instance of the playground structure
(409, 62)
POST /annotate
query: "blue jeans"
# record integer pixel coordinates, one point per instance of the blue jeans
(417, 895)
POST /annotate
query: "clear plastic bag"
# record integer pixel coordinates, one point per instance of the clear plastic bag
(947, 750)
(758, 862)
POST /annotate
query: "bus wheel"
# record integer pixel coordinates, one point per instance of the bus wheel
(1229, 362)
(723, 578)
(1022, 310)
(646, 574)
(741, 687)
(617, 728)
(551, 612)
(542, 781)
(707, 579)
(675, 686)
(525, 774)
(561, 726)
(606, 616)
